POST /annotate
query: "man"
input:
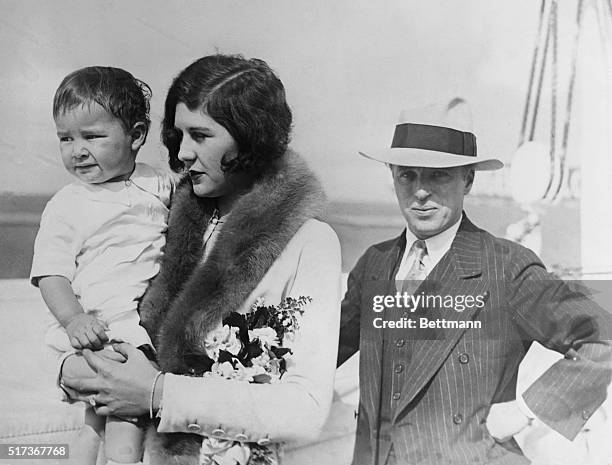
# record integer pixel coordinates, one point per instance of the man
(443, 315)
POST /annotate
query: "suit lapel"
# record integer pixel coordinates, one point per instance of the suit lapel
(450, 277)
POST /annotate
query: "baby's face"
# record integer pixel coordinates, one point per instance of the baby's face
(94, 145)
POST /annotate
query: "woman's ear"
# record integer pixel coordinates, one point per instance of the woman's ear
(139, 135)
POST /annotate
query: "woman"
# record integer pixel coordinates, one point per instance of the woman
(243, 226)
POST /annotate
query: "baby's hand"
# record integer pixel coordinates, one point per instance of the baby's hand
(85, 331)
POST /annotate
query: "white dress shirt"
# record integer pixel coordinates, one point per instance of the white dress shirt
(437, 246)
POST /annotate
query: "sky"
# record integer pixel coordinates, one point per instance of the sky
(349, 67)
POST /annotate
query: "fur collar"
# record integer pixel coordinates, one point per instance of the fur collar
(188, 298)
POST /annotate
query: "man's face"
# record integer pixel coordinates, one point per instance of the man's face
(431, 199)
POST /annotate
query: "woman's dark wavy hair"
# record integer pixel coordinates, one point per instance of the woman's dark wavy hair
(114, 89)
(245, 97)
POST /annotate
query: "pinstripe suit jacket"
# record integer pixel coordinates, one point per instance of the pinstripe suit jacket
(454, 375)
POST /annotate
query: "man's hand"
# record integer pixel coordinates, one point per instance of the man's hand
(85, 331)
(505, 420)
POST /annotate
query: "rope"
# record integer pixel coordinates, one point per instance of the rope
(553, 102)
(570, 98)
(609, 4)
(540, 81)
(534, 61)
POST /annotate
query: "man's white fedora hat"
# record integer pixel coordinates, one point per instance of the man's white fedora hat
(435, 136)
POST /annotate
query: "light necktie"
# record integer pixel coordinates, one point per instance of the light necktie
(417, 272)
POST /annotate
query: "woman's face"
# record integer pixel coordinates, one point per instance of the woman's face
(204, 144)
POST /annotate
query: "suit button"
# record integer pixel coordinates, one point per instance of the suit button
(263, 441)
(396, 395)
(464, 358)
(400, 343)
(193, 427)
(241, 437)
(356, 413)
(218, 432)
(585, 415)
(458, 419)
(398, 368)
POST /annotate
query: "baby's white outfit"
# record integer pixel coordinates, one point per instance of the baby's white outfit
(107, 240)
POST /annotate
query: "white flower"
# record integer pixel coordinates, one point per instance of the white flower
(274, 370)
(221, 370)
(214, 341)
(247, 373)
(222, 338)
(259, 302)
(267, 336)
(223, 451)
(262, 360)
(212, 374)
(226, 369)
(233, 344)
(289, 339)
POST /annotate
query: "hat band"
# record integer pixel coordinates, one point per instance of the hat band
(437, 138)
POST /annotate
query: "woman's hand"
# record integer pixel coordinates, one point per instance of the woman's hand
(73, 395)
(120, 388)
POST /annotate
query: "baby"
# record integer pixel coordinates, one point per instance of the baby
(101, 237)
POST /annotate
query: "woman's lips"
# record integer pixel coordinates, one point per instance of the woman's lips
(196, 175)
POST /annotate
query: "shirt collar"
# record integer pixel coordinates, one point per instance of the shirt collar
(146, 178)
(437, 245)
(143, 176)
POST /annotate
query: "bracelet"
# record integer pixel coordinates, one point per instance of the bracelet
(159, 373)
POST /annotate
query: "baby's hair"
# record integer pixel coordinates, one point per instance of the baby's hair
(114, 89)
(245, 97)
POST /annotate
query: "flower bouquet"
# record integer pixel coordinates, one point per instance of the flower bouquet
(254, 348)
